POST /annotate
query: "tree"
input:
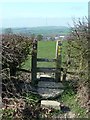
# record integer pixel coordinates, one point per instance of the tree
(78, 54)
(78, 46)
(8, 31)
(39, 37)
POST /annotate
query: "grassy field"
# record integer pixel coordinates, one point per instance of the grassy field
(46, 49)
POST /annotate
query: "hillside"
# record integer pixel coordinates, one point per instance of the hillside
(45, 30)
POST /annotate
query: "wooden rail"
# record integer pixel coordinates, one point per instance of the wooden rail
(23, 70)
(45, 60)
(47, 70)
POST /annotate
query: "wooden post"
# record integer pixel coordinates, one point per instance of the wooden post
(58, 61)
(12, 67)
(34, 63)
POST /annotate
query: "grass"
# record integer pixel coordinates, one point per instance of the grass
(69, 99)
(27, 64)
(46, 49)
(31, 98)
(74, 106)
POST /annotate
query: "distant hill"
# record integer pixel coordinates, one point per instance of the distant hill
(45, 30)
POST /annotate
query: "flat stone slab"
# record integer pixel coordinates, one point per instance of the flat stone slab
(43, 76)
(48, 76)
(46, 84)
(49, 89)
(49, 93)
(50, 104)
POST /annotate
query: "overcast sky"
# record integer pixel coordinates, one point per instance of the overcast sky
(32, 14)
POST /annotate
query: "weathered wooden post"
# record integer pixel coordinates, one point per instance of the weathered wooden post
(13, 69)
(34, 63)
(58, 61)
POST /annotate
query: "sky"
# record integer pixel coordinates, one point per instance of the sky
(47, 13)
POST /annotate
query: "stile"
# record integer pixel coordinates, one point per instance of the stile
(34, 60)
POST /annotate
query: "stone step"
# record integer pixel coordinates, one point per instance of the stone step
(47, 79)
(49, 93)
(50, 104)
(45, 76)
(46, 84)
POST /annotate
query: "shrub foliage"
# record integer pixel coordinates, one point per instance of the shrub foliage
(15, 49)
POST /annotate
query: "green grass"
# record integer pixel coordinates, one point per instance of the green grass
(74, 106)
(64, 51)
(31, 98)
(69, 99)
(27, 64)
(46, 49)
